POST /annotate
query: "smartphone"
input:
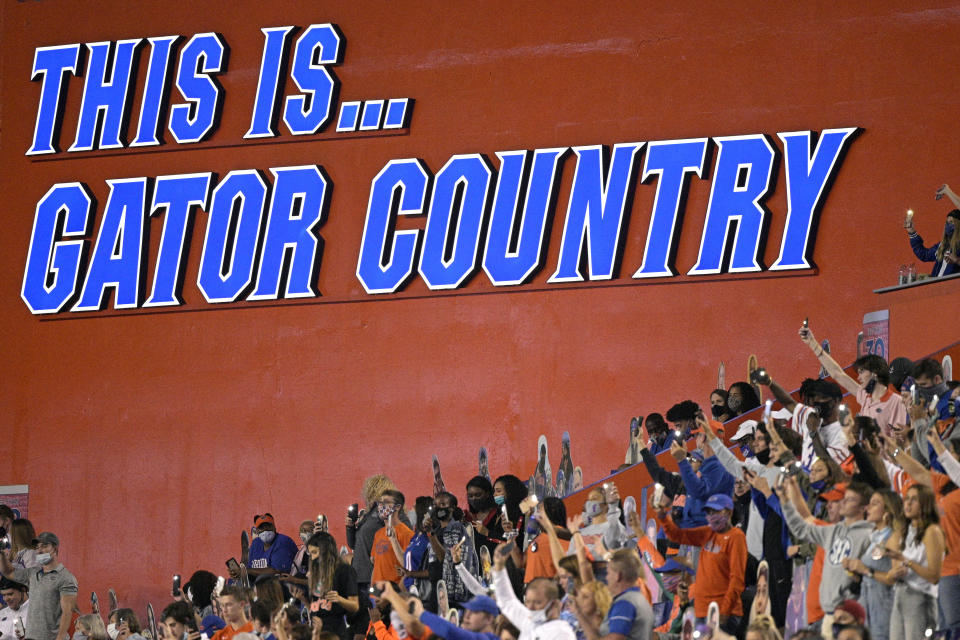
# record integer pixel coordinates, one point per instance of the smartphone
(767, 410)
(376, 591)
(176, 586)
(507, 548)
(843, 412)
(806, 323)
(233, 565)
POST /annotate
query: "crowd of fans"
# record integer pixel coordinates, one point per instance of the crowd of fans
(824, 519)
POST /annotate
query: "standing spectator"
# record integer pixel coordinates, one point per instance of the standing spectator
(53, 590)
(6, 518)
(362, 528)
(723, 559)
(538, 617)
(848, 538)
(630, 615)
(945, 255)
(707, 479)
(448, 531)
(741, 398)
(885, 513)
(683, 415)
(22, 537)
(233, 601)
(483, 513)
(389, 542)
(872, 389)
(332, 583)
(416, 567)
(552, 513)
(718, 405)
(15, 595)
(270, 552)
(917, 562)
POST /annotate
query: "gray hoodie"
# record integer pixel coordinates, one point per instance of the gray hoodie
(839, 541)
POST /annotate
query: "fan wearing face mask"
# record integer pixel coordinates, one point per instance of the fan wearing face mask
(723, 559)
(270, 552)
(538, 617)
(944, 254)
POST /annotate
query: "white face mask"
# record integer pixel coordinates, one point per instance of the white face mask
(304, 537)
(112, 631)
(44, 558)
(397, 624)
(267, 536)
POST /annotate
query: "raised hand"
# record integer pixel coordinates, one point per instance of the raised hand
(574, 522)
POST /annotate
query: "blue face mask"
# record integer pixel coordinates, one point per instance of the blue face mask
(500, 500)
(948, 230)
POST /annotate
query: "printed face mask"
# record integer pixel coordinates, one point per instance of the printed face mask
(717, 520)
(592, 508)
(384, 511)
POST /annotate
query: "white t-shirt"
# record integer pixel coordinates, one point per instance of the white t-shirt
(8, 618)
(831, 434)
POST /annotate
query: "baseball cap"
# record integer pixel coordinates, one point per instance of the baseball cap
(7, 583)
(696, 453)
(48, 538)
(747, 428)
(263, 519)
(672, 565)
(211, 624)
(782, 414)
(484, 604)
(719, 501)
(854, 608)
(838, 491)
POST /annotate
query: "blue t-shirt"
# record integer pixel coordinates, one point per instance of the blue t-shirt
(413, 556)
(443, 628)
(279, 556)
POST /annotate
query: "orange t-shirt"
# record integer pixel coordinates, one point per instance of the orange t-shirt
(540, 561)
(386, 567)
(814, 611)
(949, 522)
(722, 568)
(228, 631)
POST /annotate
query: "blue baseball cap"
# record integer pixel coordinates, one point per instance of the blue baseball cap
(484, 604)
(211, 624)
(672, 565)
(718, 502)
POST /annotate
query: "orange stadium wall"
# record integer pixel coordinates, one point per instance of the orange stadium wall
(149, 436)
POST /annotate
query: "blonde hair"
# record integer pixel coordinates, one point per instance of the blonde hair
(374, 486)
(92, 623)
(601, 596)
(766, 627)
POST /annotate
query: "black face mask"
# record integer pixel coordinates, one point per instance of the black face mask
(442, 513)
(823, 409)
(871, 386)
(764, 456)
(480, 504)
(927, 393)
(718, 410)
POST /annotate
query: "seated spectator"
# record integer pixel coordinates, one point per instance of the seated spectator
(763, 628)
(848, 612)
(198, 591)
(301, 561)
(270, 552)
(91, 626)
(741, 398)
(178, 620)
(262, 618)
(630, 615)
(944, 254)
(723, 559)
(718, 405)
(124, 625)
(233, 602)
(16, 598)
(539, 615)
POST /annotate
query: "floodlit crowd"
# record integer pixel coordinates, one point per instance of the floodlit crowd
(814, 516)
